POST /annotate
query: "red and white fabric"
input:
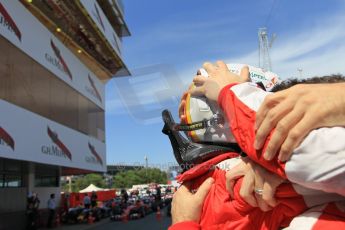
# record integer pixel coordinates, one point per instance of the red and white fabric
(318, 163)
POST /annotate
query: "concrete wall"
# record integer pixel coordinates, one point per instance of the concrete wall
(12, 208)
(44, 195)
(13, 205)
(12, 199)
(13, 202)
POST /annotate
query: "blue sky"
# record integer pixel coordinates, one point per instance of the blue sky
(171, 39)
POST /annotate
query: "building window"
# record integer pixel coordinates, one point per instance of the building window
(11, 173)
(46, 176)
(29, 85)
(12, 181)
(46, 181)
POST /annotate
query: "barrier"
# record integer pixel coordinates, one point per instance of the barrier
(75, 199)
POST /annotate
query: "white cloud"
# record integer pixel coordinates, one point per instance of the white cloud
(318, 51)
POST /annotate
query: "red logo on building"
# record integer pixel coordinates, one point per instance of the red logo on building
(95, 91)
(62, 61)
(54, 137)
(95, 154)
(6, 137)
(99, 17)
(8, 21)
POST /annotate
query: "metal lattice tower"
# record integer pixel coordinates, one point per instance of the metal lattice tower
(264, 46)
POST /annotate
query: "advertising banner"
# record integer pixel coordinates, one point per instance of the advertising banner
(27, 136)
(23, 30)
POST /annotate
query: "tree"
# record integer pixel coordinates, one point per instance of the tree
(125, 179)
(84, 181)
(129, 178)
(88, 179)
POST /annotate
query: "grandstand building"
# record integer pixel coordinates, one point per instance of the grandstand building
(56, 57)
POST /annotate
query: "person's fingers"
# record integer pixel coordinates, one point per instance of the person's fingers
(259, 184)
(244, 74)
(269, 102)
(266, 105)
(269, 191)
(230, 187)
(295, 136)
(197, 91)
(209, 67)
(260, 116)
(204, 189)
(185, 187)
(271, 120)
(222, 66)
(231, 175)
(272, 115)
(199, 80)
(262, 204)
(282, 129)
(247, 188)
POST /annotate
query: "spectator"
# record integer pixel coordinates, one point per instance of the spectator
(124, 195)
(87, 201)
(158, 193)
(51, 208)
(32, 206)
(36, 204)
(66, 202)
(94, 199)
(168, 190)
(31, 224)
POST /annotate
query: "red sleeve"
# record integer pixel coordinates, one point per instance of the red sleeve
(189, 225)
(242, 122)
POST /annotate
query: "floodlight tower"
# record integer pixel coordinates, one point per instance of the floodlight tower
(264, 46)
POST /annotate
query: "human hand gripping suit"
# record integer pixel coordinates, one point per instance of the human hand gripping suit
(316, 170)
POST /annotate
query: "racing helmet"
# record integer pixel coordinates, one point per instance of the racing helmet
(204, 119)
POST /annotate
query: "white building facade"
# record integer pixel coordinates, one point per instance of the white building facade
(52, 99)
